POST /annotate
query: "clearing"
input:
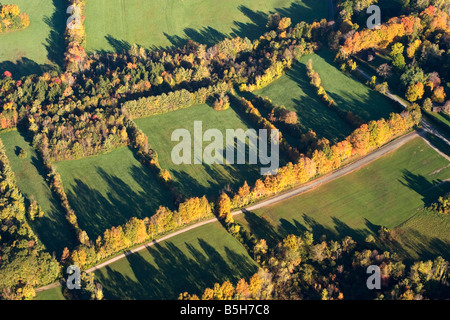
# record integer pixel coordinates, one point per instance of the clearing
(109, 189)
(113, 25)
(40, 46)
(198, 179)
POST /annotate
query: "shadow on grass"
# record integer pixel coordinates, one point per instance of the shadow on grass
(369, 106)
(97, 211)
(52, 229)
(429, 191)
(55, 42)
(310, 10)
(174, 271)
(408, 243)
(263, 229)
(424, 247)
(216, 179)
(119, 46)
(25, 67)
(55, 46)
(437, 142)
(312, 113)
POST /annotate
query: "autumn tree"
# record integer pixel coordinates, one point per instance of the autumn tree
(223, 207)
(415, 92)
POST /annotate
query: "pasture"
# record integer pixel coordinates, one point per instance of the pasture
(109, 189)
(387, 192)
(51, 294)
(198, 179)
(39, 47)
(189, 262)
(294, 91)
(114, 25)
(53, 229)
(349, 93)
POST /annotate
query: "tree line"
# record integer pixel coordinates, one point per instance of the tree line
(24, 261)
(137, 231)
(75, 56)
(320, 161)
(418, 46)
(301, 267)
(172, 101)
(352, 120)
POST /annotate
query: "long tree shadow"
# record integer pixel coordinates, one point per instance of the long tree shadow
(308, 10)
(25, 67)
(317, 229)
(97, 211)
(429, 191)
(55, 42)
(295, 227)
(262, 229)
(171, 271)
(119, 46)
(206, 35)
(344, 229)
(312, 113)
(412, 245)
(220, 176)
(53, 225)
(366, 103)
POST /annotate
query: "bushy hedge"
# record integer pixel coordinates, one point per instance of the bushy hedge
(172, 101)
(11, 19)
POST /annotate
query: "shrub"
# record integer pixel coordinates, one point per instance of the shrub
(22, 153)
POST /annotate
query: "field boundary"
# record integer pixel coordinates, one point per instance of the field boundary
(349, 168)
(357, 164)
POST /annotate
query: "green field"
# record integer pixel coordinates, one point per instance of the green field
(425, 236)
(116, 24)
(39, 46)
(294, 91)
(53, 229)
(387, 193)
(107, 190)
(51, 294)
(349, 93)
(189, 262)
(196, 179)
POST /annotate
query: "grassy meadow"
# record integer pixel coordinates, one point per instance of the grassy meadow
(388, 192)
(53, 229)
(294, 91)
(116, 24)
(198, 179)
(51, 294)
(41, 45)
(108, 189)
(349, 93)
(189, 262)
